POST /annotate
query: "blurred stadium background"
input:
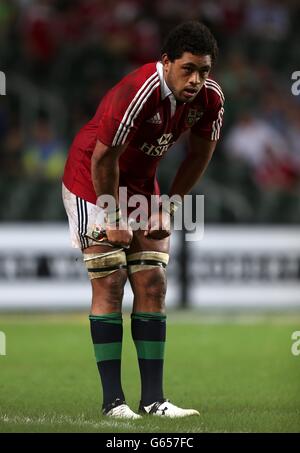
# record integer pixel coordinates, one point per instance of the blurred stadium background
(59, 58)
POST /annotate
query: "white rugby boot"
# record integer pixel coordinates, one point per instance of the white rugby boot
(120, 410)
(164, 408)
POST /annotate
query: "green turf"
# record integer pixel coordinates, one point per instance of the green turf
(240, 375)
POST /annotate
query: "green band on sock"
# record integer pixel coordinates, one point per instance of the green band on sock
(108, 351)
(112, 318)
(150, 349)
(150, 316)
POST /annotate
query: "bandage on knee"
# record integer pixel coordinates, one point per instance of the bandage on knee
(102, 264)
(141, 261)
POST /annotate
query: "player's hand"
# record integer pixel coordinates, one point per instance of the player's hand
(159, 226)
(120, 234)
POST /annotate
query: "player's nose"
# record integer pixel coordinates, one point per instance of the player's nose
(195, 78)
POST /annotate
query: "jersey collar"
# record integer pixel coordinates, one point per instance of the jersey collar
(165, 90)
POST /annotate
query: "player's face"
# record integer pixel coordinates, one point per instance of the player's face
(186, 76)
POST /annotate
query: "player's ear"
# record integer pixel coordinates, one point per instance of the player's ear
(165, 60)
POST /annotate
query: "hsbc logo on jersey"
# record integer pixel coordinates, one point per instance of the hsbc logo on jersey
(165, 139)
(163, 144)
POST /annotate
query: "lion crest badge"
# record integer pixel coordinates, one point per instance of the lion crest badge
(193, 116)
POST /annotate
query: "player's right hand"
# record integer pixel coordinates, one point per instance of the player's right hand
(119, 234)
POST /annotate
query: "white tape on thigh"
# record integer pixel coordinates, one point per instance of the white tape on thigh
(141, 261)
(102, 264)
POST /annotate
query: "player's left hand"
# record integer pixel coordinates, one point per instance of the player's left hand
(159, 226)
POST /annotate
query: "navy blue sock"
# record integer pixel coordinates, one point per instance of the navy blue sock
(107, 333)
(149, 335)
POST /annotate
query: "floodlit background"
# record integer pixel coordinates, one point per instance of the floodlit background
(59, 58)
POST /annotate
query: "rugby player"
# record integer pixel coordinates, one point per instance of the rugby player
(136, 122)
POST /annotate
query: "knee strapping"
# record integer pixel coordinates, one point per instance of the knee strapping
(141, 261)
(102, 264)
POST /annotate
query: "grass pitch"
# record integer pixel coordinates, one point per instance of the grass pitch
(239, 373)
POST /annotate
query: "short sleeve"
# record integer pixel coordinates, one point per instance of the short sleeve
(209, 126)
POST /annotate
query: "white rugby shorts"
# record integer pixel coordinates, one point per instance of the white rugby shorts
(82, 217)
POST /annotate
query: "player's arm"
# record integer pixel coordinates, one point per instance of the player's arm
(121, 112)
(105, 178)
(189, 173)
(203, 138)
(105, 170)
(199, 154)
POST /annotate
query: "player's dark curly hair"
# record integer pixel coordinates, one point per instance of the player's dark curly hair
(193, 37)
